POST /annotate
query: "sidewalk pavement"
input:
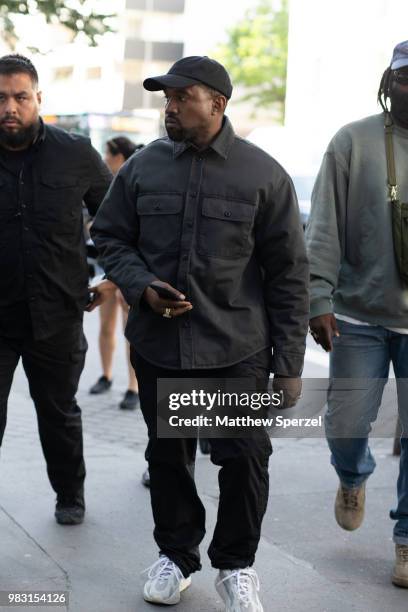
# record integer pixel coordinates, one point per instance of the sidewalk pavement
(305, 562)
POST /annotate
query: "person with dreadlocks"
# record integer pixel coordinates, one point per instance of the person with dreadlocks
(357, 239)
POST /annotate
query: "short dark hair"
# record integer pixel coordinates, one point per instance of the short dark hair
(14, 63)
(123, 145)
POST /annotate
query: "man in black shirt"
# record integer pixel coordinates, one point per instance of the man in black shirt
(45, 175)
(214, 220)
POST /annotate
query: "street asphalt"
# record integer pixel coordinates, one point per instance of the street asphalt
(304, 561)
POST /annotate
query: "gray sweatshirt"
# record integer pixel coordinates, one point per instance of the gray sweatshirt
(349, 233)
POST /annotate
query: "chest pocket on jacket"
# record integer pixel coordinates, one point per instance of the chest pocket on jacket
(160, 219)
(225, 228)
(58, 203)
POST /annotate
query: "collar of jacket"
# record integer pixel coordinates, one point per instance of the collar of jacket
(221, 144)
(41, 135)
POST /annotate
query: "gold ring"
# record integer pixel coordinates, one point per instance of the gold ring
(167, 313)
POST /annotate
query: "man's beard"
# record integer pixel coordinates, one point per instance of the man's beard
(177, 133)
(399, 107)
(21, 138)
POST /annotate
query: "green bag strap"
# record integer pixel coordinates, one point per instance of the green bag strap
(389, 151)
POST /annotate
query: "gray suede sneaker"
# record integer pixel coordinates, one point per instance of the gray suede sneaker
(239, 590)
(349, 507)
(165, 582)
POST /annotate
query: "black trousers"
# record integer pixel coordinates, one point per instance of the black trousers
(178, 512)
(53, 368)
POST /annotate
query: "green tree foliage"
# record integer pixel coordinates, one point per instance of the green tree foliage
(255, 53)
(73, 14)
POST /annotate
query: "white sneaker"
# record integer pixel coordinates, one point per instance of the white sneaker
(165, 582)
(239, 590)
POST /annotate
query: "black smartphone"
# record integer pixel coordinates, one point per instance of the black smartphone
(164, 293)
(91, 298)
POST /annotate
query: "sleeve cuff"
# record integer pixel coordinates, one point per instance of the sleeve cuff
(320, 307)
(133, 296)
(288, 364)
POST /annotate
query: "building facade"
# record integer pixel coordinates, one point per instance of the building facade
(154, 40)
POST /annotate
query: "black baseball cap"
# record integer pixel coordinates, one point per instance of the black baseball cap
(193, 70)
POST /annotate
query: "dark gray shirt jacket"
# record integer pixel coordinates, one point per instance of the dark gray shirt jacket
(222, 226)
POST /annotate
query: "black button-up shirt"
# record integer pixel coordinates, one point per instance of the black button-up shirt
(222, 226)
(43, 269)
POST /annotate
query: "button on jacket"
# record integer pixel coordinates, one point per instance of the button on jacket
(43, 269)
(222, 226)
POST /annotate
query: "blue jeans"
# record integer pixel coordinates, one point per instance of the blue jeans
(365, 352)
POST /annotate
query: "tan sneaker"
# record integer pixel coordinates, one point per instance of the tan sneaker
(400, 574)
(349, 507)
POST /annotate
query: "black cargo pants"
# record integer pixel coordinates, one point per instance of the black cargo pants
(53, 367)
(178, 513)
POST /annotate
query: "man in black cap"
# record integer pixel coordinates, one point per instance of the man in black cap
(214, 220)
(358, 246)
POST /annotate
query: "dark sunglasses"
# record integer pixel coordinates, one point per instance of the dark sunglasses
(400, 77)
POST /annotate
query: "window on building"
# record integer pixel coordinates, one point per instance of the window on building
(63, 72)
(167, 51)
(136, 4)
(133, 96)
(94, 72)
(169, 6)
(133, 71)
(135, 49)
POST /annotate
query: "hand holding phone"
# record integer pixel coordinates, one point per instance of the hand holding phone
(166, 300)
(166, 293)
